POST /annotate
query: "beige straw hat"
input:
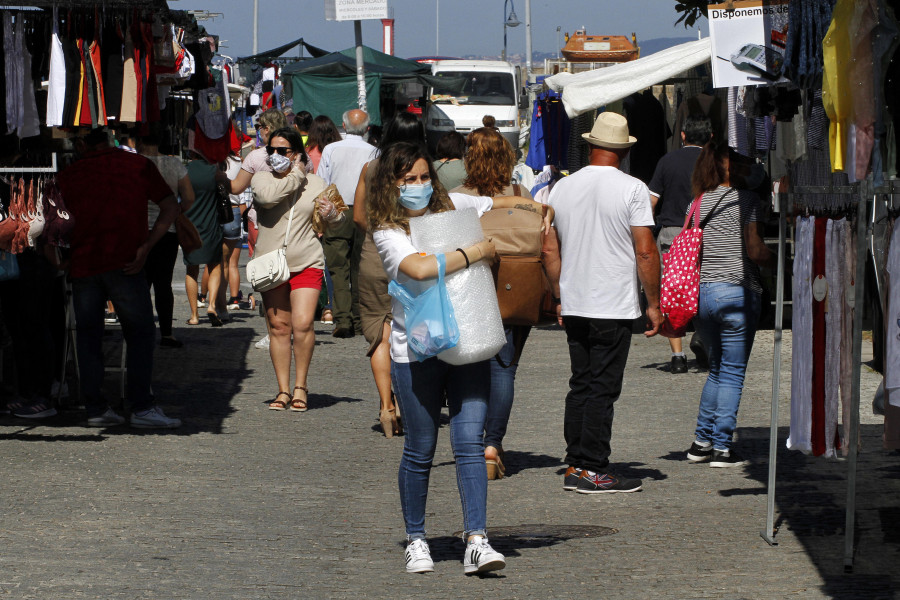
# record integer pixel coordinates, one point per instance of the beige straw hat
(610, 131)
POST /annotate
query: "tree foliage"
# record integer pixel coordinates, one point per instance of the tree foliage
(690, 10)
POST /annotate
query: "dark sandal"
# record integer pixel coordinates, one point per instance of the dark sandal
(298, 404)
(214, 319)
(277, 403)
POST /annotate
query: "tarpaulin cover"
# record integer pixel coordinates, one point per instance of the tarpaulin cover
(332, 96)
(269, 55)
(583, 92)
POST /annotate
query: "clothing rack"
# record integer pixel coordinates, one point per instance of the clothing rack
(53, 168)
(858, 194)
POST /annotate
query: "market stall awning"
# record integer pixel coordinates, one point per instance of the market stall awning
(583, 92)
(344, 63)
(276, 52)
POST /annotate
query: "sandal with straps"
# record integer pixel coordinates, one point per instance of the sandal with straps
(278, 403)
(299, 404)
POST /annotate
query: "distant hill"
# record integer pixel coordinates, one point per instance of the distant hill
(648, 47)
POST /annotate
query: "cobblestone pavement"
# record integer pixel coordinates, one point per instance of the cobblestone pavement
(244, 502)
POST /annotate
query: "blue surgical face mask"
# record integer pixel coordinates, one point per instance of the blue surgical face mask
(415, 196)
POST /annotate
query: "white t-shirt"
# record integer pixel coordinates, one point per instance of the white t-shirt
(595, 210)
(342, 162)
(393, 246)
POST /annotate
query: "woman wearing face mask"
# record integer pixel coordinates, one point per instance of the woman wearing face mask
(290, 308)
(404, 186)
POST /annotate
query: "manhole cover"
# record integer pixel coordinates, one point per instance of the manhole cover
(554, 533)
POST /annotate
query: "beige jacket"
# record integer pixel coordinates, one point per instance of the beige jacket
(272, 199)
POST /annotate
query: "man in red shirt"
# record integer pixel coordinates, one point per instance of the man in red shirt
(107, 192)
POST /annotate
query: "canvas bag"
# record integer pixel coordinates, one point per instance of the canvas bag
(270, 270)
(523, 288)
(680, 290)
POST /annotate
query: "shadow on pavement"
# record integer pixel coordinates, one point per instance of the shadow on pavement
(516, 461)
(811, 500)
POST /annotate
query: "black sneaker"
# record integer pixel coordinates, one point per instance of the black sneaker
(728, 458)
(698, 453)
(573, 474)
(606, 483)
(679, 364)
(699, 350)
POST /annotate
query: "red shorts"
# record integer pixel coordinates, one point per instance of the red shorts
(307, 278)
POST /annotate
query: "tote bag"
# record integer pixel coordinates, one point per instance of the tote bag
(680, 290)
(431, 324)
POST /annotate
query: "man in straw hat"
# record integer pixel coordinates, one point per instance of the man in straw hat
(604, 221)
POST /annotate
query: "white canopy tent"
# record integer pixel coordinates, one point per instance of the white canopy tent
(590, 90)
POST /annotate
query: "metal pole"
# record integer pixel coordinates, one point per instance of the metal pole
(504, 30)
(255, 27)
(437, 27)
(768, 533)
(360, 67)
(858, 308)
(558, 28)
(528, 66)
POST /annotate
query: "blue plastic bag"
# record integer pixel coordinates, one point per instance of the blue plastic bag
(430, 322)
(9, 266)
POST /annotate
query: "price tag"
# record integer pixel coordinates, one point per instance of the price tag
(820, 288)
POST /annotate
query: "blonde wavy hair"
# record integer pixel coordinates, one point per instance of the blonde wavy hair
(490, 160)
(383, 208)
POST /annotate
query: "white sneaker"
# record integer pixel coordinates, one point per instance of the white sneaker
(418, 557)
(481, 558)
(107, 419)
(263, 343)
(154, 418)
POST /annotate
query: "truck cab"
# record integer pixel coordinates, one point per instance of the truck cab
(475, 88)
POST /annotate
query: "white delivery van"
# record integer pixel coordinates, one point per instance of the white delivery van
(475, 88)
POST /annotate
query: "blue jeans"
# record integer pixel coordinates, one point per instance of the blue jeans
(420, 387)
(503, 381)
(130, 295)
(726, 321)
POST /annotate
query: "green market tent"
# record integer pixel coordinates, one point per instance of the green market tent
(327, 85)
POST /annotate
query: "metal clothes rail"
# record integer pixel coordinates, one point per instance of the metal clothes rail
(859, 195)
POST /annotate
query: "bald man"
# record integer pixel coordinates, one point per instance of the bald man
(341, 164)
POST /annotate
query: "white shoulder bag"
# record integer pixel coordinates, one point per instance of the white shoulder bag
(270, 270)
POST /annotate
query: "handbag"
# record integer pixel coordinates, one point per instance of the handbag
(224, 214)
(270, 270)
(523, 288)
(680, 289)
(188, 237)
(431, 325)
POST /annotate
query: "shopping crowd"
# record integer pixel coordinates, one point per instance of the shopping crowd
(332, 207)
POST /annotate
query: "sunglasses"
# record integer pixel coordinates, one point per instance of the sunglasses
(272, 149)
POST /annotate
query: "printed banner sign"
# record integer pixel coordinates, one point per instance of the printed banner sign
(748, 42)
(352, 10)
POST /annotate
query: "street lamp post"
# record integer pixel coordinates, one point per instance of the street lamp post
(509, 21)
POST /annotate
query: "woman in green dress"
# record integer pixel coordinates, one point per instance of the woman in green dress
(204, 177)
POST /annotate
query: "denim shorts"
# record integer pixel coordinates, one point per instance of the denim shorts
(232, 229)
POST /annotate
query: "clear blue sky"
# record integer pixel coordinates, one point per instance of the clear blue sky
(466, 26)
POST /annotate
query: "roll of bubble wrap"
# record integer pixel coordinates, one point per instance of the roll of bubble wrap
(471, 290)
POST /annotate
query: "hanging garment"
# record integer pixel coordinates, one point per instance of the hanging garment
(834, 308)
(817, 434)
(862, 87)
(537, 150)
(847, 314)
(95, 59)
(128, 110)
(30, 124)
(802, 338)
(15, 72)
(56, 88)
(111, 48)
(73, 79)
(808, 22)
(892, 318)
(213, 115)
(737, 124)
